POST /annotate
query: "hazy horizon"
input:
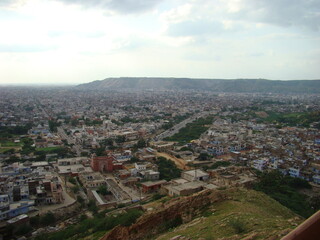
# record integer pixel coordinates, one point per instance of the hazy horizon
(60, 42)
(75, 84)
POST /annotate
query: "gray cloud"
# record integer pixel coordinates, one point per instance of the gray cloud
(119, 6)
(285, 13)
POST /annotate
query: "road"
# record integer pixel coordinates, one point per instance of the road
(176, 128)
(77, 148)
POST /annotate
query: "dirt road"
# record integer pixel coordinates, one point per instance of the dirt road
(180, 163)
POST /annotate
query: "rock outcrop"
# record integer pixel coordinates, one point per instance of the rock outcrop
(174, 212)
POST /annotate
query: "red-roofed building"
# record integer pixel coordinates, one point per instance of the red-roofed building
(102, 163)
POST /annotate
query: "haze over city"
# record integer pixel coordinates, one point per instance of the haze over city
(71, 42)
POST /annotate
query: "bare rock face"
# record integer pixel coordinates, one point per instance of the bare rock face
(175, 211)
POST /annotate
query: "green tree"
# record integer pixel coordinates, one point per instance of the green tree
(47, 219)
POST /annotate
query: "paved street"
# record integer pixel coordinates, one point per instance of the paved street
(175, 129)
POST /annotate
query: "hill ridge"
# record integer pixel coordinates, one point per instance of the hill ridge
(241, 85)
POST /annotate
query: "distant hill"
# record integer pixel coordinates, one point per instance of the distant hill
(215, 85)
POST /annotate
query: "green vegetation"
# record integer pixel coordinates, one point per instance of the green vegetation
(237, 225)
(141, 143)
(94, 122)
(157, 196)
(51, 149)
(175, 120)
(10, 144)
(103, 190)
(244, 214)
(53, 125)
(217, 164)
(23, 229)
(7, 132)
(99, 224)
(60, 151)
(186, 149)
(303, 119)
(72, 180)
(284, 189)
(42, 221)
(192, 130)
(203, 157)
(168, 170)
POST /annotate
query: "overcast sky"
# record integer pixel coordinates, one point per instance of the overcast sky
(76, 41)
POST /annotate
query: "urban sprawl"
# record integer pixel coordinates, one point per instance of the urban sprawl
(61, 147)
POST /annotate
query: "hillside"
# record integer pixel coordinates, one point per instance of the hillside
(215, 85)
(225, 214)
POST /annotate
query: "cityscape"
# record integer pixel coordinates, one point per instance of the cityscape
(68, 154)
(159, 120)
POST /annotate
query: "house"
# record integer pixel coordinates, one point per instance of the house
(184, 189)
(149, 175)
(294, 172)
(152, 186)
(92, 180)
(195, 175)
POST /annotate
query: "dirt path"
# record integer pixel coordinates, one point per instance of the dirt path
(180, 163)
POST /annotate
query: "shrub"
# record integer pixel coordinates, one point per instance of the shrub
(237, 225)
(47, 219)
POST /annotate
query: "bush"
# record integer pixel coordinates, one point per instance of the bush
(92, 207)
(72, 180)
(157, 196)
(47, 219)
(284, 190)
(103, 190)
(35, 221)
(75, 189)
(23, 229)
(237, 225)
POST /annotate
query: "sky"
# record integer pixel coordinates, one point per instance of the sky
(78, 41)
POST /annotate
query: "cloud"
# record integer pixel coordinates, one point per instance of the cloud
(119, 6)
(7, 2)
(195, 28)
(284, 13)
(18, 48)
(209, 18)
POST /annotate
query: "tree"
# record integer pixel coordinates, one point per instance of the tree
(203, 156)
(168, 170)
(75, 189)
(47, 219)
(120, 139)
(141, 143)
(103, 190)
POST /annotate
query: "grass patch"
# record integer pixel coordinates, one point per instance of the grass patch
(49, 149)
(10, 144)
(244, 212)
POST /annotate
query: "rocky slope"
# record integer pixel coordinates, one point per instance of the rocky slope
(226, 214)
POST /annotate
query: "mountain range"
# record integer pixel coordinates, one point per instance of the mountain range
(214, 85)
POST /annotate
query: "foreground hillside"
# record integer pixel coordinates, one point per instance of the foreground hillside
(215, 85)
(226, 214)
